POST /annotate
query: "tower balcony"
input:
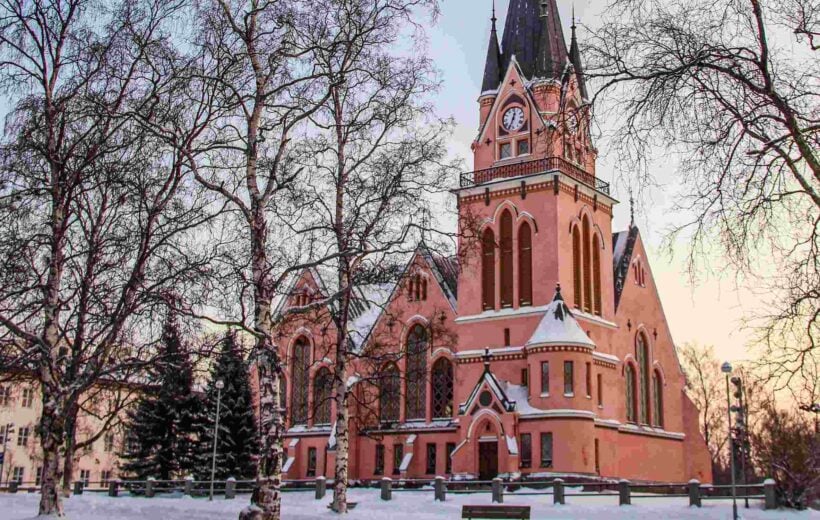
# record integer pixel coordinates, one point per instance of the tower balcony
(529, 168)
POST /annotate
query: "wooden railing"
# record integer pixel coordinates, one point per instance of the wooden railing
(522, 169)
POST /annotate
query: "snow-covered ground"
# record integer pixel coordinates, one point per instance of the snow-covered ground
(410, 505)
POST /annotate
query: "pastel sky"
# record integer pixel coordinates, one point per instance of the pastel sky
(709, 312)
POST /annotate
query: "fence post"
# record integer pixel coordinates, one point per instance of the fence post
(623, 492)
(230, 488)
(114, 488)
(387, 491)
(440, 489)
(770, 494)
(498, 494)
(694, 493)
(78, 487)
(189, 485)
(321, 487)
(13, 485)
(149, 487)
(558, 491)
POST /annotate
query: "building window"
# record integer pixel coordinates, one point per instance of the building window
(448, 462)
(589, 379)
(507, 340)
(526, 450)
(600, 385)
(505, 151)
(431, 459)
(88, 448)
(546, 449)
(379, 469)
(389, 394)
(506, 263)
(417, 288)
(322, 391)
(85, 477)
(657, 399)
(28, 397)
(525, 377)
(523, 147)
(105, 478)
(311, 462)
(597, 457)
(629, 373)
(442, 386)
(642, 348)
(38, 476)
(488, 269)
(5, 433)
(299, 381)
(569, 376)
(17, 475)
(577, 281)
(398, 455)
(545, 378)
(5, 395)
(524, 265)
(283, 398)
(22, 435)
(596, 276)
(108, 442)
(416, 373)
(587, 264)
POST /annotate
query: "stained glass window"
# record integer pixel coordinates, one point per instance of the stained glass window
(524, 265)
(506, 259)
(416, 372)
(488, 270)
(657, 400)
(629, 373)
(322, 391)
(299, 381)
(587, 238)
(442, 386)
(389, 395)
(643, 380)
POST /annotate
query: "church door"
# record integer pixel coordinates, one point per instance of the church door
(487, 460)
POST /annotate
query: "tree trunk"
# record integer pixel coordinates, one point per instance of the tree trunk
(342, 441)
(68, 456)
(52, 434)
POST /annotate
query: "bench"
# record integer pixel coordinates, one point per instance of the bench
(492, 512)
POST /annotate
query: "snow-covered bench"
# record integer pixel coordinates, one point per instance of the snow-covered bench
(493, 512)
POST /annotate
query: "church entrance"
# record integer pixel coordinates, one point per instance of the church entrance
(487, 460)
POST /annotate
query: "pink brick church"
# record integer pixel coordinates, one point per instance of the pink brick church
(542, 348)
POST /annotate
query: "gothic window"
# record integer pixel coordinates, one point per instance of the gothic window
(576, 266)
(546, 449)
(596, 275)
(643, 378)
(506, 234)
(524, 265)
(569, 378)
(657, 399)
(442, 387)
(416, 369)
(389, 393)
(299, 381)
(545, 377)
(629, 373)
(488, 269)
(526, 450)
(322, 390)
(417, 288)
(587, 263)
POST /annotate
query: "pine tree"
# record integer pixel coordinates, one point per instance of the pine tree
(238, 440)
(165, 425)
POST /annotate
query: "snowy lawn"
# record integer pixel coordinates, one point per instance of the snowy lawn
(410, 505)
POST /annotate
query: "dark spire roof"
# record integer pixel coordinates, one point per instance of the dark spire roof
(492, 67)
(534, 35)
(575, 57)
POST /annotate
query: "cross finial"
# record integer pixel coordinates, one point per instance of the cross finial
(493, 18)
(487, 356)
(573, 17)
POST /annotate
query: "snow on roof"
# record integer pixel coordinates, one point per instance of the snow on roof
(512, 445)
(558, 327)
(374, 299)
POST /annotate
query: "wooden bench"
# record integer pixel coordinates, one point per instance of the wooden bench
(492, 512)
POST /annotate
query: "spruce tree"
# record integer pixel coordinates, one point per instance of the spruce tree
(238, 440)
(165, 425)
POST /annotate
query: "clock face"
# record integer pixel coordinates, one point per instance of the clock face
(513, 119)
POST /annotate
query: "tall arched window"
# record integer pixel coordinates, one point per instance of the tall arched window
(596, 275)
(322, 390)
(416, 370)
(587, 242)
(657, 399)
(524, 265)
(283, 397)
(642, 354)
(506, 235)
(299, 381)
(629, 373)
(442, 386)
(389, 393)
(488, 269)
(577, 278)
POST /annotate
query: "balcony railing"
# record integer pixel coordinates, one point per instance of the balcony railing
(521, 169)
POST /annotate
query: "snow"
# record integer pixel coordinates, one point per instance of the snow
(375, 297)
(558, 327)
(512, 445)
(416, 506)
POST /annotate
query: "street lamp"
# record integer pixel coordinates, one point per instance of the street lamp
(219, 386)
(726, 368)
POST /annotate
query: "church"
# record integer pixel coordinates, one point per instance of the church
(540, 349)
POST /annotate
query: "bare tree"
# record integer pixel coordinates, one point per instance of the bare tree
(731, 89)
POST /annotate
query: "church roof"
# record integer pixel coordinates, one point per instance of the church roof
(492, 67)
(495, 386)
(558, 326)
(577, 63)
(533, 34)
(623, 245)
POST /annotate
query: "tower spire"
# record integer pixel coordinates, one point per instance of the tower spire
(575, 58)
(492, 66)
(533, 33)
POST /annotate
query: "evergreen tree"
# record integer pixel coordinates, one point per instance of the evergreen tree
(165, 425)
(238, 440)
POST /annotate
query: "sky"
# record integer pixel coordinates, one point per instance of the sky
(709, 312)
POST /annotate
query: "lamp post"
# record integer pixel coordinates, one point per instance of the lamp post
(726, 368)
(219, 386)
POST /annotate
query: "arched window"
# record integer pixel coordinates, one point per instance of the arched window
(576, 267)
(299, 381)
(506, 234)
(389, 393)
(416, 370)
(442, 386)
(322, 390)
(587, 242)
(629, 373)
(657, 399)
(488, 269)
(596, 275)
(283, 397)
(524, 265)
(642, 353)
